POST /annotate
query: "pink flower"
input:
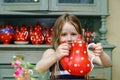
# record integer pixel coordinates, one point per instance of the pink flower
(20, 67)
(18, 72)
(17, 63)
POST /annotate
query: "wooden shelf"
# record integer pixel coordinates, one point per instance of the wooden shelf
(29, 47)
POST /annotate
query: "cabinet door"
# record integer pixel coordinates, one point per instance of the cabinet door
(21, 5)
(91, 7)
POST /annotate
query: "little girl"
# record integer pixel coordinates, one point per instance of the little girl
(67, 28)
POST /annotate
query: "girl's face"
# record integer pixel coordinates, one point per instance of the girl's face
(69, 33)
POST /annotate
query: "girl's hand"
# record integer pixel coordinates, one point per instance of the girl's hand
(62, 50)
(98, 49)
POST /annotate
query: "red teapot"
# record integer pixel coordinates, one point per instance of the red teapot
(48, 35)
(6, 38)
(36, 35)
(6, 34)
(78, 62)
(21, 35)
(36, 38)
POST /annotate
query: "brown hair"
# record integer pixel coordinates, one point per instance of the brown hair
(57, 31)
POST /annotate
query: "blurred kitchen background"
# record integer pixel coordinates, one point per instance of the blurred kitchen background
(91, 22)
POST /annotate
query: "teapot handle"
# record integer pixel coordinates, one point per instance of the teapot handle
(93, 56)
(26, 34)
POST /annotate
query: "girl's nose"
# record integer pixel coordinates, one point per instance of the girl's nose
(69, 38)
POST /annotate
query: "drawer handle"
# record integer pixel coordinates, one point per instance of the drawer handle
(18, 56)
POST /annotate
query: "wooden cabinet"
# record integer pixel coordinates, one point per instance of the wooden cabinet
(31, 53)
(54, 7)
(32, 10)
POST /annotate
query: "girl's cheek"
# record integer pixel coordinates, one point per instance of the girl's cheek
(62, 39)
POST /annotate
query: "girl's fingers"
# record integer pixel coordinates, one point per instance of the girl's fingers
(65, 46)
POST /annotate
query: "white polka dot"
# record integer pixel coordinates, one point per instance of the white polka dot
(80, 42)
(80, 45)
(73, 44)
(6, 40)
(82, 58)
(75, 65)
(77, 51)
(88, 65)
(85, 52)
(71, 58)
(81, 71)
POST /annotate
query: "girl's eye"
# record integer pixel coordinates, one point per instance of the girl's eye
(74, 34)
(64, 34)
